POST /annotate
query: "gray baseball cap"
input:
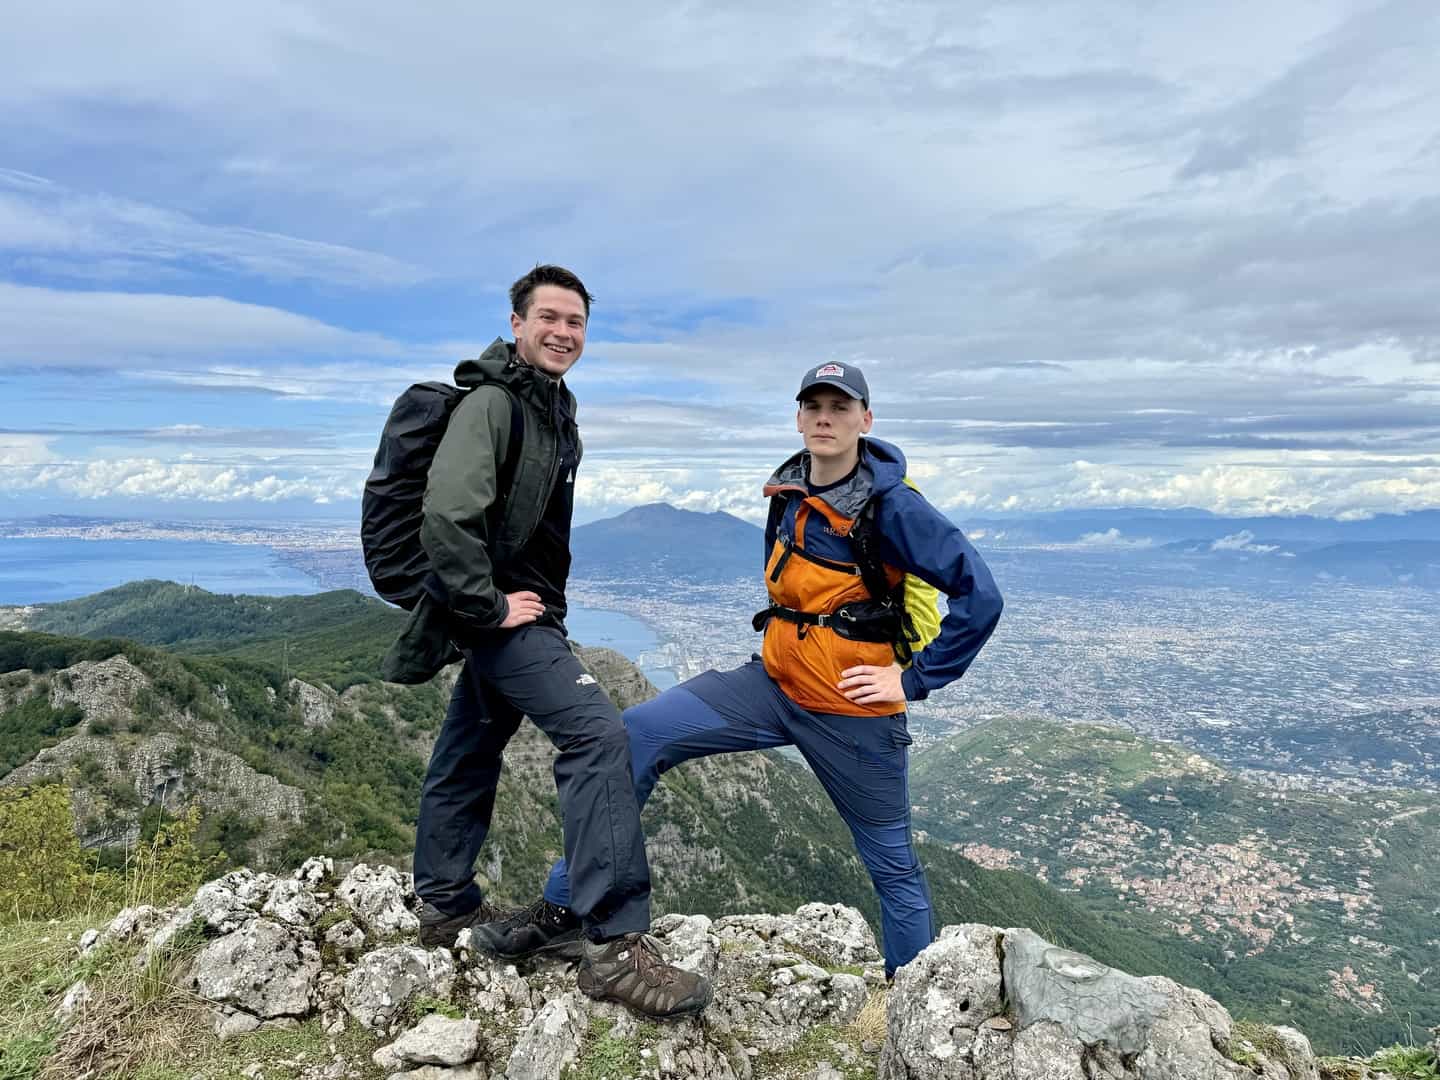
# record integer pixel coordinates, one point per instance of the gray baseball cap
(846, 377)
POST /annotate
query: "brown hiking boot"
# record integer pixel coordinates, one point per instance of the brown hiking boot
(632, 971)
(439, 930)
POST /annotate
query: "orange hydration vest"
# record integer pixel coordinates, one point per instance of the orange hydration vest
(806, 659)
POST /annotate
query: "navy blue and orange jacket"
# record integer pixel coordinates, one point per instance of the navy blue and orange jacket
(914, 538)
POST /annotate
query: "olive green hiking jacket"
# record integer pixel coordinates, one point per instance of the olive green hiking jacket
(469, 527)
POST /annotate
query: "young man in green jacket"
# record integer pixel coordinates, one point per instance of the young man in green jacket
(501, 556)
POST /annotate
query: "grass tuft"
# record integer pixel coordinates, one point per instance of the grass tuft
(869, 1025)
(1407, 1062)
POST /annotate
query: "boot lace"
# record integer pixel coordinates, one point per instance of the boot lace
(649, 960)
(541, 912)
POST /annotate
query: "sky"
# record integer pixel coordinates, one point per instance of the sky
(1087, 253)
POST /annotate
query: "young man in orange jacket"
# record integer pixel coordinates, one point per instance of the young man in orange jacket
(824, 684)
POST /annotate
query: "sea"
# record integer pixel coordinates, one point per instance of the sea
(49, 570)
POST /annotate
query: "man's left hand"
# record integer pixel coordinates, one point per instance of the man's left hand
(869, 684)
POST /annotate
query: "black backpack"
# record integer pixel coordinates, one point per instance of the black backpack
(390, 509)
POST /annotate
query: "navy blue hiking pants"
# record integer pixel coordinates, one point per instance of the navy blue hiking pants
(861, 761)
(530, 671)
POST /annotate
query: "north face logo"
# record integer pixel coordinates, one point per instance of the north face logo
(830, 369)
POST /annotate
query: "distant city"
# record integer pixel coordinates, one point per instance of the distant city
(1312, 683)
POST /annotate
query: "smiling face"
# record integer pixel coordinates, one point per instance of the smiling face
(832, 422)
(550, 335)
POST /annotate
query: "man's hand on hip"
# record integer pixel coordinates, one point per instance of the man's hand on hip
(525, 607)
(869, 684)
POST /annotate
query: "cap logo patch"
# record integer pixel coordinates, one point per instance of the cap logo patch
(830, 369)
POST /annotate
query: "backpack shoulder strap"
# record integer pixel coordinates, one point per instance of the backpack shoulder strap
(772, 523)
(513, 444)
(864, 543)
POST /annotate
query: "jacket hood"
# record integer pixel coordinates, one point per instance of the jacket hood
(882, 467)
(500, 363)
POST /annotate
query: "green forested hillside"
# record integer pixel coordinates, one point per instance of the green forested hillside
(336, 637)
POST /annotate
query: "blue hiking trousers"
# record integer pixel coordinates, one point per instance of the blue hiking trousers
(861, 761)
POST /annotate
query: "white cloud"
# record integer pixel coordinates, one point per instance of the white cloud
(178, 481)
(21, 451)
(110, 329)
(1244, 540)
(1113, 538)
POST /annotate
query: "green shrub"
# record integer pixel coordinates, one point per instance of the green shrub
(43, 872)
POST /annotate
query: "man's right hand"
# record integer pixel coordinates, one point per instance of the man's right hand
(525, 607)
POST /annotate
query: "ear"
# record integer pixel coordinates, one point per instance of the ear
(866, 421)
(515, 323)
(798, 426)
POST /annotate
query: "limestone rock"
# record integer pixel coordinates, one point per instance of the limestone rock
(689, 943)
(74, 1001)
(1185, 1036)
(1062, 1016)
(134, 922)
(1092, 1002)
(345, 938)
(104, 690)
(979, 1004)
(385, 981)
(832, 934)
(315, 871)
(438, 1072)
(1300, 1056)
(317, 703)
(551, 1041)
(235, 1025)
(377, 895)
(438, 1040)
(1045, 1051)
(291, 901)
(939, 1000)
(260, 968)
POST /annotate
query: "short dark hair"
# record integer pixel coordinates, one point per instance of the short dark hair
(545, 274)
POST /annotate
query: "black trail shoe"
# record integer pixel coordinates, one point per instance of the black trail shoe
(543, 927)
(438, 929)
(632, 971)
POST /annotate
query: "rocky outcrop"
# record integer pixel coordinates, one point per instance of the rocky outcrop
(263, 968)
(317, 704)
(799, 995)
(166, 769)
(17, 618)
(117, 763)
(982, 1003)
(105, 690)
